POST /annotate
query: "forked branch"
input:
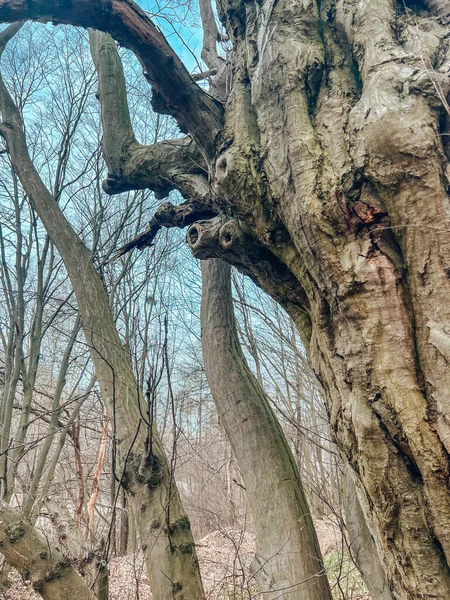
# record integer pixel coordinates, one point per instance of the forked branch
(160, 167)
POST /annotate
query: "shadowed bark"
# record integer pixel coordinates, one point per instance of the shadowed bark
(362, 546)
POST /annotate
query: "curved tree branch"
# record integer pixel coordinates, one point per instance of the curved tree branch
(131, 165)
(167, 215)
(175, 92)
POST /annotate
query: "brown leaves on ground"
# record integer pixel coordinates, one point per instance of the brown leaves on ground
(224, 556)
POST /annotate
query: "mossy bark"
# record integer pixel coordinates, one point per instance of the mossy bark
(332, 161)
(44, 568)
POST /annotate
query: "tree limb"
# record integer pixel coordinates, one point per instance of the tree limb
(210, 35)
(167, 215)
(7, 34)
(50, 573)
(175, 92)
(132, 165)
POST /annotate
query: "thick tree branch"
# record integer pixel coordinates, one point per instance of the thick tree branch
(50, 574)
(225, 238)
(167, 215)
(216, 236)
(160, 167)
(175, 92)
(7, 34)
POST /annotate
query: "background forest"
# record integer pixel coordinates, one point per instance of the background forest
(162, 411)
(57, 446)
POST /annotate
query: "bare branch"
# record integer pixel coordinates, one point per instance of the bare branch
(167, 215)
(175, 92)
(210, 35)
(132, 165)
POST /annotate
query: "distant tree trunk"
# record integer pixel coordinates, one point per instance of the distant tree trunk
(79, 506)
(95, 491)
(288, 561)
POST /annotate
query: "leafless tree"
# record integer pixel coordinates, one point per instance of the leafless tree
(324, 177)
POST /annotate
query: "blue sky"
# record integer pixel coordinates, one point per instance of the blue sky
(181, 26)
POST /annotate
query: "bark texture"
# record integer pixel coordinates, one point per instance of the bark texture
(288, 562)
(362, 547)
(49, 572)
(333, 164)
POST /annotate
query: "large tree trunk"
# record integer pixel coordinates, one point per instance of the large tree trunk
(328, 173)
(288, 561)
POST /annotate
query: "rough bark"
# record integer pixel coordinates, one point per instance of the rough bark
(333, 158)
(145, 472)
(49, 572)
(288, 562)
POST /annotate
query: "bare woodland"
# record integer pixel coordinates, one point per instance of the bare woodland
(217, 421)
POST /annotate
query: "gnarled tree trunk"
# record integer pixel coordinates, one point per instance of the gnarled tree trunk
(327, 170)
(49, 572)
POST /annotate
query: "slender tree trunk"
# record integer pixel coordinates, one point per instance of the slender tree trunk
(124, 525)
(77, 517)
(53, 425)
(288, 561)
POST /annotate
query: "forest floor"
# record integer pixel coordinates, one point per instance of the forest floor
(224, 558)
